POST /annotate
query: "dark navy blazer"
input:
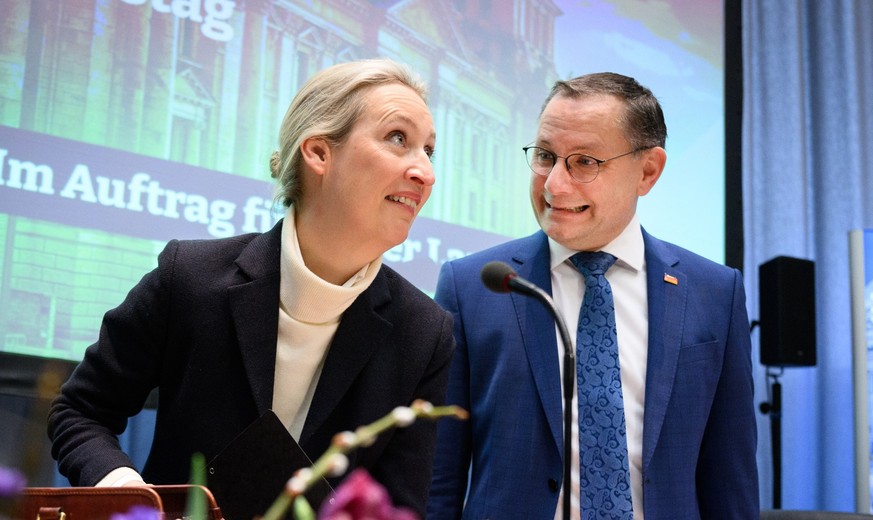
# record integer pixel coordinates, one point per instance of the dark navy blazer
(202, 328)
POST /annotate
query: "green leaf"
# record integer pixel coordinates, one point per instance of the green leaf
(196, 505)
(302, 509)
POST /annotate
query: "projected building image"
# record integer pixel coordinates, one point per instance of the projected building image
(125, 123)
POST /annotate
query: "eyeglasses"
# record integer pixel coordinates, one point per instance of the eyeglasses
(581, 167)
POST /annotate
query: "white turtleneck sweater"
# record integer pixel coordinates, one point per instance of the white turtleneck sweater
(309, 313)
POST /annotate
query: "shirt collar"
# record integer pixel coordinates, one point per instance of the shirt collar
(628, 247)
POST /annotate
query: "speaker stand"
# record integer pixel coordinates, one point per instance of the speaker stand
(773, 408)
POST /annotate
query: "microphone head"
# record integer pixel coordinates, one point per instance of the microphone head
(496, 276)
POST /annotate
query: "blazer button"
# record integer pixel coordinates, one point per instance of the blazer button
(553, 484)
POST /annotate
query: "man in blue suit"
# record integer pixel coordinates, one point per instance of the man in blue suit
(680, 321)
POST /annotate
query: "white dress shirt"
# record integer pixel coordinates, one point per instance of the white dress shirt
(627, 278)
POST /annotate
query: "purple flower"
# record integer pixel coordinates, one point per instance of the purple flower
(137, 513)
(360, 497)
(12, 482)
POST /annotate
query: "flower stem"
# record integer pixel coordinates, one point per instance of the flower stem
(334, 462)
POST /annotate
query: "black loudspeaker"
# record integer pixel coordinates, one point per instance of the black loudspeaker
(786, 287)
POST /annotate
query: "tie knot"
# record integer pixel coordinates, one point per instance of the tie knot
(592, 263)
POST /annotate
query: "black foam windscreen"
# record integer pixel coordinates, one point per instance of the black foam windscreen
(786, 289)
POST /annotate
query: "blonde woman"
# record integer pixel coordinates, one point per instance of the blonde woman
(303, 320)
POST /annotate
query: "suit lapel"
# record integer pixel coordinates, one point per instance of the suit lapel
(255, 312)
(538, 330)
(361, 331)
(254, 306)
(667, 303)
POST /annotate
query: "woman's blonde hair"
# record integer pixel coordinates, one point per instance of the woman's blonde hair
(328, 105)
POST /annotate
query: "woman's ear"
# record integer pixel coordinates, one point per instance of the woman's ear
(316, 154)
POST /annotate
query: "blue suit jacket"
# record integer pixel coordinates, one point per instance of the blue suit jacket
(699, 434)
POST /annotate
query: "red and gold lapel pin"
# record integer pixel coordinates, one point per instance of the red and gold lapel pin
(671, 279)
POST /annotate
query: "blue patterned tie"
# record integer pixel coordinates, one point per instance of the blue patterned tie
(605, 479)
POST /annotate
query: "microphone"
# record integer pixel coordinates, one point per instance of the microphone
(500, 277)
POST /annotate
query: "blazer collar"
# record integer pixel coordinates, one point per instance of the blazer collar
(667, 304)
(254, 307)
(363, 328)
(666, 301)
(255, 310)
(532, 261)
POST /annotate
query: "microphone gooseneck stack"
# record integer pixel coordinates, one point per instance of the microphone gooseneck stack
(500, 277)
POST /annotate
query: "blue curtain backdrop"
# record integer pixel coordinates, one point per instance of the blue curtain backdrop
(807, 181)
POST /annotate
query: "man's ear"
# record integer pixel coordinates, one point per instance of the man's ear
(316, 154)
(653, 164)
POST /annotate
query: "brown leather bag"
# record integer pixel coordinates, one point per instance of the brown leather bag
(89, 503)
